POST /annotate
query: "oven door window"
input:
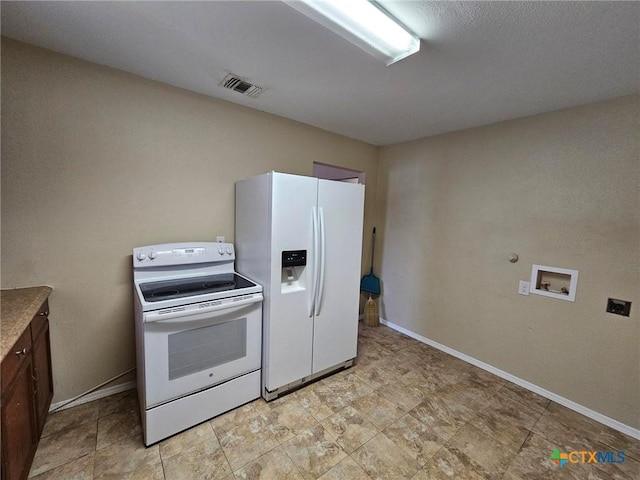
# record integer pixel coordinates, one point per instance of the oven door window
(206, 347)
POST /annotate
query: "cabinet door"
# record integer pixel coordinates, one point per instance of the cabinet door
(335, 328)
(19, 438)
(42, 374)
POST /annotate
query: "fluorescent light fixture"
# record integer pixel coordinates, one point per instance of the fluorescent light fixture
(364, 24)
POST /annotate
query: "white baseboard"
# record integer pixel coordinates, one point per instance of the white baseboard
(587, 412)
(105, 392)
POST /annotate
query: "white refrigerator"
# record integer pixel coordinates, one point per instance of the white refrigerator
(301, 238)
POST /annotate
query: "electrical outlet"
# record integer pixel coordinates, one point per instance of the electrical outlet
(220, 239)
(523, 288)
(619, 307)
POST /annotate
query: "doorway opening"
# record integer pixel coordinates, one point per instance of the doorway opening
(340, 174)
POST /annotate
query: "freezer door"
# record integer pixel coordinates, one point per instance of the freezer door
(288, 325)
(335, 328)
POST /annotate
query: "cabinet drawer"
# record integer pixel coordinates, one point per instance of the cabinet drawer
(11, 363)
(39, 320)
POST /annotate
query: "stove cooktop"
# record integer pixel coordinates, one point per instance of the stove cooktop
(189, 287)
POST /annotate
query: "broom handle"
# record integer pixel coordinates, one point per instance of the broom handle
(373, 246)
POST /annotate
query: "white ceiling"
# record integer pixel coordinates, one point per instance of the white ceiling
(480, 62)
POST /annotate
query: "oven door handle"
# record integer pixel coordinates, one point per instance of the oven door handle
(179, 316)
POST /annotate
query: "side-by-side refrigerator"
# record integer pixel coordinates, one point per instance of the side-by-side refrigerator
(301, 238)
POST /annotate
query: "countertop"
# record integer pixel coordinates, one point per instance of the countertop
(18, 306)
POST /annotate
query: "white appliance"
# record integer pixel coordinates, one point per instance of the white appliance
(198, 335)
(301, 237)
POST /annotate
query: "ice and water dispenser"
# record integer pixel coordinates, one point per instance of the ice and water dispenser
(294, 263)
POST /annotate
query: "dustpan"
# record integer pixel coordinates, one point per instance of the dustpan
(370, 283)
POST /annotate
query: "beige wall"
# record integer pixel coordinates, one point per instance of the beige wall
(558, 189)
(96, 161)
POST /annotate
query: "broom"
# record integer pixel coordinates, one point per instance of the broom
(371, 318)
(371, 285)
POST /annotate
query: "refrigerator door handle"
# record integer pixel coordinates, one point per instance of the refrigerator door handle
(323, 251)
(314, 273)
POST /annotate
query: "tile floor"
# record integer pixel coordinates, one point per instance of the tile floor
(403, 411)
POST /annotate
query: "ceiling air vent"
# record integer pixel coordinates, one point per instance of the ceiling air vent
(237, 84)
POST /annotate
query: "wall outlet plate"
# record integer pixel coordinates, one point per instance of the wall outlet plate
(619, 307)
(523, 288)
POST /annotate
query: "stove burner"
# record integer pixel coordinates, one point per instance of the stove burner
(218, 285)
(190, 287)
(164, 293)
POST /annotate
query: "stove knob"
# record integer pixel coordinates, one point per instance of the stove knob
(221, 251)
(152, 255)
(141, 256)
(229, 250)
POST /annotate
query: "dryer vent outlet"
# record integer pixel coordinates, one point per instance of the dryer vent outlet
(238, 84)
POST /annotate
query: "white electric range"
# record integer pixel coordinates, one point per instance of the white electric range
(198, 335)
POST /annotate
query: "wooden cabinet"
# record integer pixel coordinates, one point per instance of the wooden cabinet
(42, 364)
(27, 390)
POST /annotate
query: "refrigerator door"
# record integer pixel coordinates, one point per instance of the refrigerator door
(335, 327)
(289, 323)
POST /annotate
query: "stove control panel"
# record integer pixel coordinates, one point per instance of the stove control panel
(182, 254)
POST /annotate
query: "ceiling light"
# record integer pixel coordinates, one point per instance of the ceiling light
(364, 24)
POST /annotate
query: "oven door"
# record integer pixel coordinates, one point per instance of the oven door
(185, 353)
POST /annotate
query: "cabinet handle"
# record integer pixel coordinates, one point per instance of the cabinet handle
(42, 314)
(22, 352)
